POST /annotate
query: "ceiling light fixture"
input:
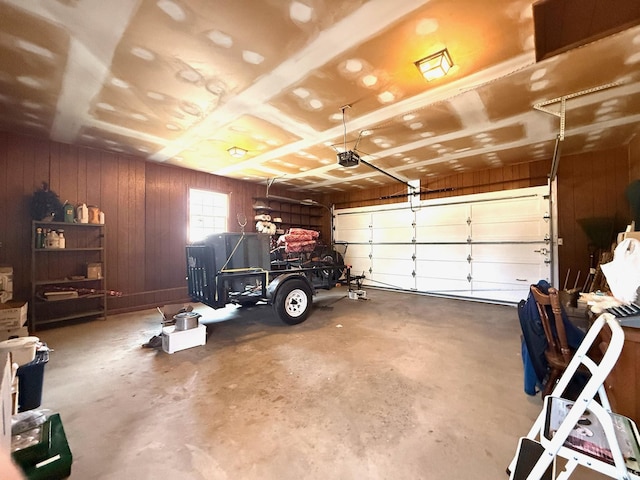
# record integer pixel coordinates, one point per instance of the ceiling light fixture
(237, 152)
(436, 65)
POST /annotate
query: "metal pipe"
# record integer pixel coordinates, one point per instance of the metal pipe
(386, 173)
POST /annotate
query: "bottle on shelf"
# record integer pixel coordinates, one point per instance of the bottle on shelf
(62, 242)
(38, 238)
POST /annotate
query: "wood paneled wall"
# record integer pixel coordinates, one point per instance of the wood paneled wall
(591, 190)
(634, 158)
(145, 207)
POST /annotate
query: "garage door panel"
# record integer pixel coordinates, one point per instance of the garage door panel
(518, 253)
(443, 215)
(359, 266)
(508, 272)
(442, 269)
(442, 252)
(357, 252)
(358, 257)
(354, 236)
(390, 219)
(402, 252)
(503, 292)
(518, 219)
(352, 221)
(398, 234)
(443, 286)
(395, 266)
(442, 233)
(393, 226)
(389, 280)
(529, 207)
(521, 231)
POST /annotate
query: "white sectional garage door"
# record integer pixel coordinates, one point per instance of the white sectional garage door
(487, 247)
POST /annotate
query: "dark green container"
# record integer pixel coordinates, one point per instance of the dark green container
(51, 458)
(69, 213)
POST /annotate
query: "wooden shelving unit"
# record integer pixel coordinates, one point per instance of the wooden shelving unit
(293, 214)
(66, 269)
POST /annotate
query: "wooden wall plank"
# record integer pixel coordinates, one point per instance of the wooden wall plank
(5, 200)
(16, 238)
(634, 158)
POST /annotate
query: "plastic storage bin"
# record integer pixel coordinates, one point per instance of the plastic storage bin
(22, 349)
(30, 380)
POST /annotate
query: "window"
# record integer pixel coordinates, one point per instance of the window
(208, 212)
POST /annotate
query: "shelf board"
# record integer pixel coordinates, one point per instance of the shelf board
(62, 281)
(293, 201)
(80, 297)
(68, 224)
(83, 249)
(261, 208)
(87, 314)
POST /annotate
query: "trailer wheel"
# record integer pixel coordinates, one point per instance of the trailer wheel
(334, 272)
(293, 302)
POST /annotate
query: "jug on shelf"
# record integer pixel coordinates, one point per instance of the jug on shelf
(53, 240)
(82, 214)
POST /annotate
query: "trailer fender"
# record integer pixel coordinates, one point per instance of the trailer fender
(276, 283)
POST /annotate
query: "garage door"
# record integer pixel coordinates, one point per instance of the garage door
(489, 247)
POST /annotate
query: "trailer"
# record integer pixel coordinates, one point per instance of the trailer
(241, 269)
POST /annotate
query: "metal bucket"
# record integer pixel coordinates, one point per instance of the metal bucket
(186, 320)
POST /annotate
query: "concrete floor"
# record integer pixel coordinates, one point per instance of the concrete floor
(399, 386)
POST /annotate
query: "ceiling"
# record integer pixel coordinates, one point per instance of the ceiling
(294, 81)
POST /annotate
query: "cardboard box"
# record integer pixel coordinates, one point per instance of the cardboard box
(13, 314)
(94, 270)
(174, 341)
(5, 402)
(6, 284)
(6, 279)
(6, 334)
(172, 309)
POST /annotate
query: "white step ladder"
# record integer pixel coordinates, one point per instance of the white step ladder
(585, 431)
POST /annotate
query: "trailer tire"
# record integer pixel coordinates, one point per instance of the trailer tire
(293, 301)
